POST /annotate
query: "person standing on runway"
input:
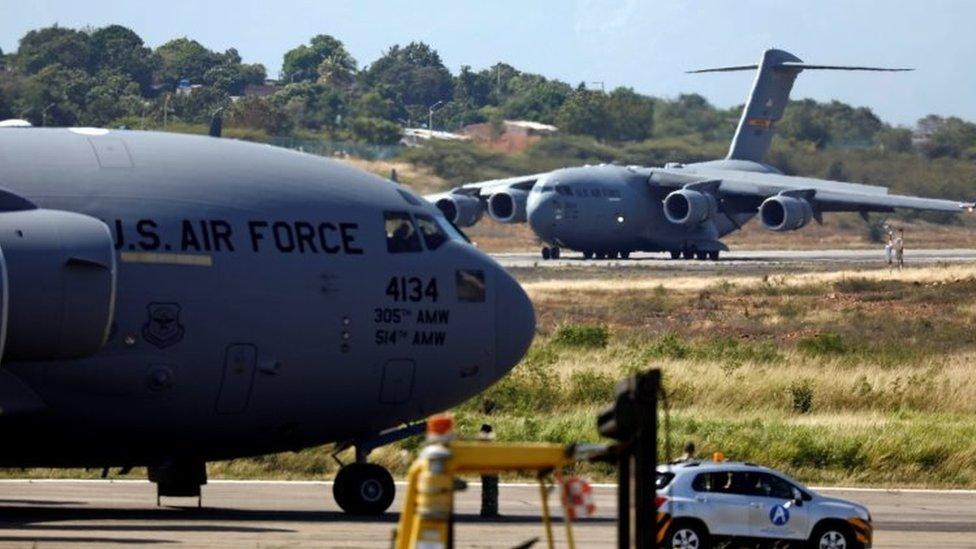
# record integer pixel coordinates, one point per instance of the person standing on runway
(900, 248)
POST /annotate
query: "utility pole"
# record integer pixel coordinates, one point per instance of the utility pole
(145, 105)
(166, 110)
(44, 115)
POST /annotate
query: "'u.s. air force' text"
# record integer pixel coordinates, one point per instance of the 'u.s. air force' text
(218, 235)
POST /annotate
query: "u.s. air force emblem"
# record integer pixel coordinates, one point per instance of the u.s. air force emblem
(163, 327)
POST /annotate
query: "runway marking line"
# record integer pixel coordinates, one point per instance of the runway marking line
(504, 484)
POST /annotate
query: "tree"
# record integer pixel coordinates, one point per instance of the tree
(631, 115)
(118, 49)
(946, 136)
(532, 97)
(56, 95)
(895, 139)
(375, 130)
(259, 113)
(112, 95)
(379, 102)
(415, 73)
(44, 47)
(311, 105)
(303, 63)
(185, 58)
(585, 112)
(472, 88)
(338, 71)
(691, 114)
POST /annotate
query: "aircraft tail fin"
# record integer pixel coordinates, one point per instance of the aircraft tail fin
(770, 92)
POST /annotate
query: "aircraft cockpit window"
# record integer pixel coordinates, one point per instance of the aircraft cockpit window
(401, 235)
(470, 286)
(451, 230)
(432, 232)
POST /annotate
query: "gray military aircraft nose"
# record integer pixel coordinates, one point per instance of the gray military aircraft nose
(541, 211)
(514, 323)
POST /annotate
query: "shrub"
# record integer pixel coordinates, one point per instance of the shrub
(582, 335)
(801, 396)
(823, 344)
(668, 346)
(591, 387)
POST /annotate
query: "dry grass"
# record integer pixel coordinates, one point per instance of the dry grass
(940, 274)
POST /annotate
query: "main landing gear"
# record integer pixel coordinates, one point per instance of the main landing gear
(179, 479)
(587, 254)
(692, 253)
(363, 488)
(550, 253)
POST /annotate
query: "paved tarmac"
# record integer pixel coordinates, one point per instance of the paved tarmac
(743, 257)
(59, 513)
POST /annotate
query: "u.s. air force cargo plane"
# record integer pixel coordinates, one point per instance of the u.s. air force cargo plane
(610, 211)
(168, 300)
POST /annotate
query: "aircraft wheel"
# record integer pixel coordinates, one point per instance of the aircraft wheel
(700, 256)
(601, 255)
(555, 253)
(587, 255)
(675, 254)
(713, 255)
(688, 253)
(624, 255)
(363, 489)
(546, 252)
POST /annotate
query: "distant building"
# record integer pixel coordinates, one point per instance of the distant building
(510, 136)
(414, 137)
(263, 89)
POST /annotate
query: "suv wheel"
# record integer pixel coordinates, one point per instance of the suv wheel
(686, 536)
(832, 537)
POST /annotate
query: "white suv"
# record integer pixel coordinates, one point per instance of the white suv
(699, 502)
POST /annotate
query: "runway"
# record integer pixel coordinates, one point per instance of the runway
(59, 513)
(754, 258)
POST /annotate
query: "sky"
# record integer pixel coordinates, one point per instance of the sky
(646, 45)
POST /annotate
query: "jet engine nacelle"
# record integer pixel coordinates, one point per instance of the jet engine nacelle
(688, 207)
(785, 213)
(508, 206)
(58, 276)
(460, 209)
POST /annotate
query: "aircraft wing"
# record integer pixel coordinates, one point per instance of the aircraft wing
(490, 187)
(824, 195)
(465, 205)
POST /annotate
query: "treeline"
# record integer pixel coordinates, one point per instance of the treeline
(109, 77)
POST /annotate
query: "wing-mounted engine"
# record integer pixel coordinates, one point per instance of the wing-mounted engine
(58, 276)
(508, 205)
(463, 210)
(693, 204)
(787, 211)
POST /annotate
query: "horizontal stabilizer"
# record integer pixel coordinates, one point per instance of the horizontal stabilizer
(800, 66)
(808, 67)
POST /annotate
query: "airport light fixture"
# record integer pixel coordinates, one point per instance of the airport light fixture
(430, 117)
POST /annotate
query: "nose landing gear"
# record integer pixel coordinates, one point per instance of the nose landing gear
(363, 488)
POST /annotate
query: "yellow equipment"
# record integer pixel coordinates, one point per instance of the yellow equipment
(425, 521)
